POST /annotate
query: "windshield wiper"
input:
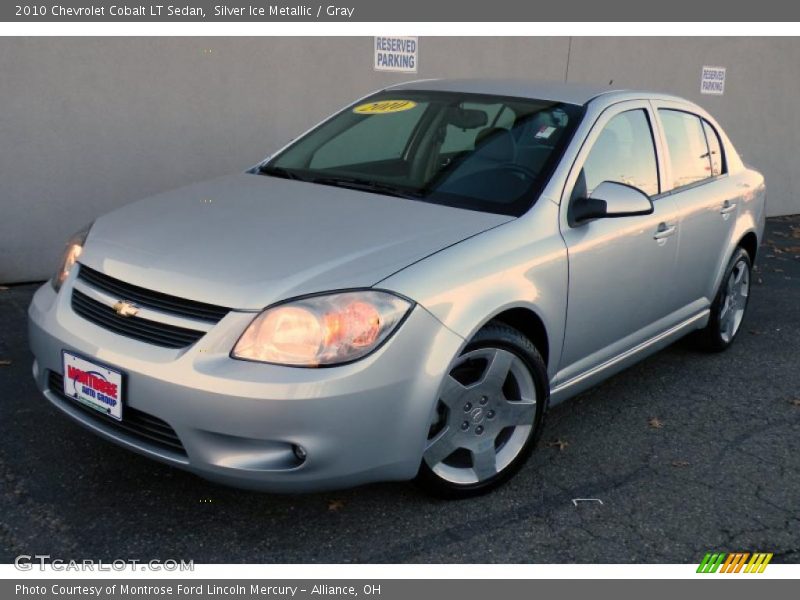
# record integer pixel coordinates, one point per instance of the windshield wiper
(365, 186)
(339, 181)
(279, 172)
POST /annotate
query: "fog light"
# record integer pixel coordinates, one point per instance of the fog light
(299, 452)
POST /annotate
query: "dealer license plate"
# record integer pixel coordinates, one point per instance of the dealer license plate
(94, 385)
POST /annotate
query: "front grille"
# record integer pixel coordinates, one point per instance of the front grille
(135, 423)
(152, 332)
(180, 307)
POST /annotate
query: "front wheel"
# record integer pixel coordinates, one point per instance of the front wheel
(488, 416)
(730, 304)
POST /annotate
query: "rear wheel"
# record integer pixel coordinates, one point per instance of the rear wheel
(488, 416)
(730, 304)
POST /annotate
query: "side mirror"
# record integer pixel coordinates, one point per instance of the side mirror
(611, 200)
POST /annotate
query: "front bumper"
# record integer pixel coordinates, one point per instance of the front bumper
(238, 422)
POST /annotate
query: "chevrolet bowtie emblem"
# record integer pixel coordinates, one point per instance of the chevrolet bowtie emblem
(125, 309)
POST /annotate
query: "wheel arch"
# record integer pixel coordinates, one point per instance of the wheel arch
(744, 235)
(528, 323)
(749, 241)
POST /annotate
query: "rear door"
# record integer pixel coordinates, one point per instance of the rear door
(705, 197)
(621, 270)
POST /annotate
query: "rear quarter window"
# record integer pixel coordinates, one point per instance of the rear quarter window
(714, 150)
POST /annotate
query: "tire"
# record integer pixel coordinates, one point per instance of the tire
(729, 306)
(489, 415)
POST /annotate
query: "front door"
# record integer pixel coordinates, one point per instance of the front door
(621, 270)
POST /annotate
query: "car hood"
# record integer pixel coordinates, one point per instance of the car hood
(246, 241)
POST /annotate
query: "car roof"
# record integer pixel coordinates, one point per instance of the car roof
(556, 91)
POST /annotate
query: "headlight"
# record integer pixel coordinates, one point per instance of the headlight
(72, 251)
(322, 330)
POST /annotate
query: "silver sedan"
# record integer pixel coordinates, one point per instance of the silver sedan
(403, 291)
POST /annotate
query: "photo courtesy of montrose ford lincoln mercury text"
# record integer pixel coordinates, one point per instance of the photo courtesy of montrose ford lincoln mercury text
(402, 292)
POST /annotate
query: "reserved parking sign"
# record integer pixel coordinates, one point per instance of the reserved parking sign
(712, 81)
(399, 54)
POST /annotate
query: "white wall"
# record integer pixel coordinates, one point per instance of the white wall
(760, 109)
(89, 124)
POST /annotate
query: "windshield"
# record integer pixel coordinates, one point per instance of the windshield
(487, 153)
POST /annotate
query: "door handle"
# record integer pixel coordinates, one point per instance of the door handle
(727, 207)
(664, 231)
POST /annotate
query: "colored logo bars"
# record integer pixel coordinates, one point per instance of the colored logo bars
(734, 562)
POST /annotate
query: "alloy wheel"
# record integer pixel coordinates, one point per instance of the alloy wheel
(486, 411)
(737, 289)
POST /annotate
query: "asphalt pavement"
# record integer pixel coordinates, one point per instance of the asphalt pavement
(682, 454)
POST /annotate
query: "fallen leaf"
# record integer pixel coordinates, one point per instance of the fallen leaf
(754, 332)
(778, 270)
(3, 288)
(655, 423)
(792, 249)
(5, 363)
(559, 443)
(335, 505)
(680, 464)
(796, 402)
(759, 280)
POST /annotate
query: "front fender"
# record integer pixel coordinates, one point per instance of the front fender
(520, 264)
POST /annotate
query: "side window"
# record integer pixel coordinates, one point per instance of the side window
(688, 150)
(624, 152)
(714, 149)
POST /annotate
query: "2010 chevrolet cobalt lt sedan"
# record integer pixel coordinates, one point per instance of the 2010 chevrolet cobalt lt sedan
(403, 291)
